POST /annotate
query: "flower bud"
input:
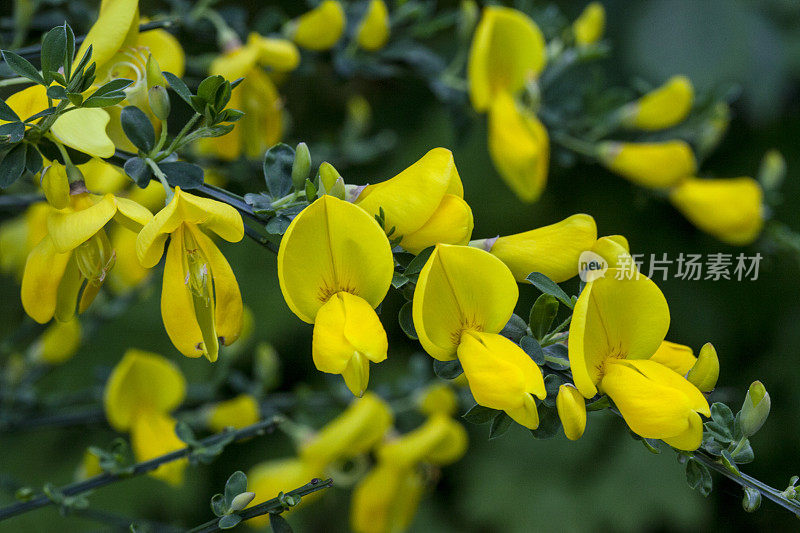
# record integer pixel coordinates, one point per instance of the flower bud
(657, 165)
(751, 500)
(56, 185)
(589, 26)
(438, 398)
(772, 170)
(240, 501)
(373, 31)
(571, 410)
(319, 29)
(755, 409)
(328, 176)
(301, 166)
(705, 372)
(153, 73)
(661, 108)
(158, 99)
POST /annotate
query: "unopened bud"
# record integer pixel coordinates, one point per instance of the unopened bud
(772, 171)
(242, 500)
(755, 409)
(301, 166)
(588, 28)
(328, 176)
(705, 372)
(56, 185)
(153, 73)
(571, 409)
(751, 500)
(158, 99)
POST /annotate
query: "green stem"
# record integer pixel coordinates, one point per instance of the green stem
(576, 145)
(14, 81)
(162, 178)
(173, 145)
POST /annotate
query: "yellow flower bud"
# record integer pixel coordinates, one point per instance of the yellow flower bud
(661, 108)
(386, 499)
(705, 372)
(58, 343)
(321, 28)
(56, 185)
(571, 410)
(438, 398)
(237, 413)
(280, 55)
(329, 177)
(373, 30)
(655, 165)
(440, 441)
(729, 209)
(589, 26)
(755, 409)
(153, 73)
(88, 467)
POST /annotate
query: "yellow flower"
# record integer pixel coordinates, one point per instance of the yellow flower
(101, 177)
(20, 235)
(141, 391)
(519, 147)
(662, 107)
(552, 250)
(55, 185)
(571, 410)
(237, 413)
(58, 343)
(423, 204)
(439, 441)
(617, 325)
(464, 297)
(729, 209)
(270, 478)
(386, 499)
(589, 26)
(200, 300)
(507, 51)
(705, 372)
(321, 28)
(75, 254)
(89, 466)
(437, 398)
(356, 431)
(678, 357)
(373, 30)
(335, 266)
(655, 165)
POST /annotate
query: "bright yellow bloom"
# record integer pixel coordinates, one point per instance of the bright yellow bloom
(200, 300)
(729, 209)
(439, 441)
(589, 26)
(237, 412)
(662, 107)
(141, 391)
(335, 266)
(617, 325)
(437, 398)
(75, 254)
(373, 30)
(356, 431)
(20, 235)
(507, 51)
(571, 410)
(552, 250)
(656, 165)
(117, 24)
(519, 147)
(423, 204)
(55, 185)
(614, 249)
(321, 28)
(58, 343)
(678, 357)
(386, 499)
(705, 372)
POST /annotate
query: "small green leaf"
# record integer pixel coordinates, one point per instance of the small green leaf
(543, 313)
(277, 168)
(551, 384)
(447, 369)
(138, 171)
(185, 433)
(178, 86)
(109, 94)
(6, 113)
(398, 280)
(279, 524)
(729, 463)
(407, 321)
(236, 484)
(548, 286)
(549, 424)
(500, 424)
(33, 160)
(23, 67)
(56, 92)
(478, 414)
(182, 174)
(744, 455)
(218, 506)
(207, 90)
(278, 225)
(556, 356)
(515, 329)
(54, 51)
(698, 477)
(229, 521)
(531, 347)
(416, 264)
(12, 165)
(138, 128)
(311, 191)
(14, 130)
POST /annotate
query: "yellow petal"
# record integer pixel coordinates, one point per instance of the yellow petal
(85, 131)
(589, 26)
(110, 30)
(142, 381)
(236, 63)
(177, 307)
(320, 28)
(101, 177)
(678, 357)
(692, 438)
(662, 107)
(68, 291)
(656, 165)
(55, 185)
(571, 410)
(373, 30)
(43, 272)
(411, 198)
(270, 478)
(461, 288)
(70, 227)
(386, 499)
(153, 435)
(666, 376)
(729, 209)
(614, 319)
(552, 250)
(237, 412)
(499, 372)
(526, 415)
(131, 215)
(614, 249)
(705, 372)
(165, 49)
(29, 101)
(451, 223)
(58, 343)
(127, 272)
(333, 246)
(262, 123)
(519, 147)
(440, 441)
(280, 55)
(508, 49)
(437, 398)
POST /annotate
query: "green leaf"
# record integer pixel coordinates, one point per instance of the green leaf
(744, 455)
(14, 130)
(178, 86)
(551, 384)
(229, 521)
(40, 114)
(515, 329)
(278, 169)
(218, 506)
(311, 191)
(729, 463)
(548, 286)
(531, 347)
(236, 484)
(478, 414)
(23, 67)
(69, 48)
(207, 90)
(556, 356)
(12, 165)
(182, 174)
(185, 433)
(279, 524)
(79, 68)
(138, 128)
(447, 369)
(407, 320)
(278, 225)
(57, 92)
(500, 424)
(543, 313)
(109, 94)
(698, 477)
(416, 264)
(549, 424)
(137, 169)
(6, 113)
(33, 160)
(398, 280)
(54, 51)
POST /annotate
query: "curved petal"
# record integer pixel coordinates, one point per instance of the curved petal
(692, 438)
(663, 107)
(177, 308)
(677, 357)
(553, 250)
(85, 130)
(277, 54)
(131, 214)
(262, 123)
(664, 375)
(102, 177)
(440, 440)
(69, 227)
(44, 269)
(237, 412)
(461, 288)
(55, 185)
(219, 217)
(655, 165)
(165, 49)
(589, 26)
(152, 435)
(333, 246)
(142, 381)
(151, 239)
(320, 28)
(507, 50)
(615, 250)
(571, 411)
(451, 223)
(373, 30)
(28, 101)
(110, 30)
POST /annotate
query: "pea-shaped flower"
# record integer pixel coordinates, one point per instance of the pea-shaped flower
(386, 499)
(662, 107)
(335, 266)
(200, 300)
(423, 205)
(463, 298)
(373, 30)
(617, 325)
(589, 26)
(656, 165)
(320, 28)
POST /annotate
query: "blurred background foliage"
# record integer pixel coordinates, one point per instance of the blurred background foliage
(605, 481)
